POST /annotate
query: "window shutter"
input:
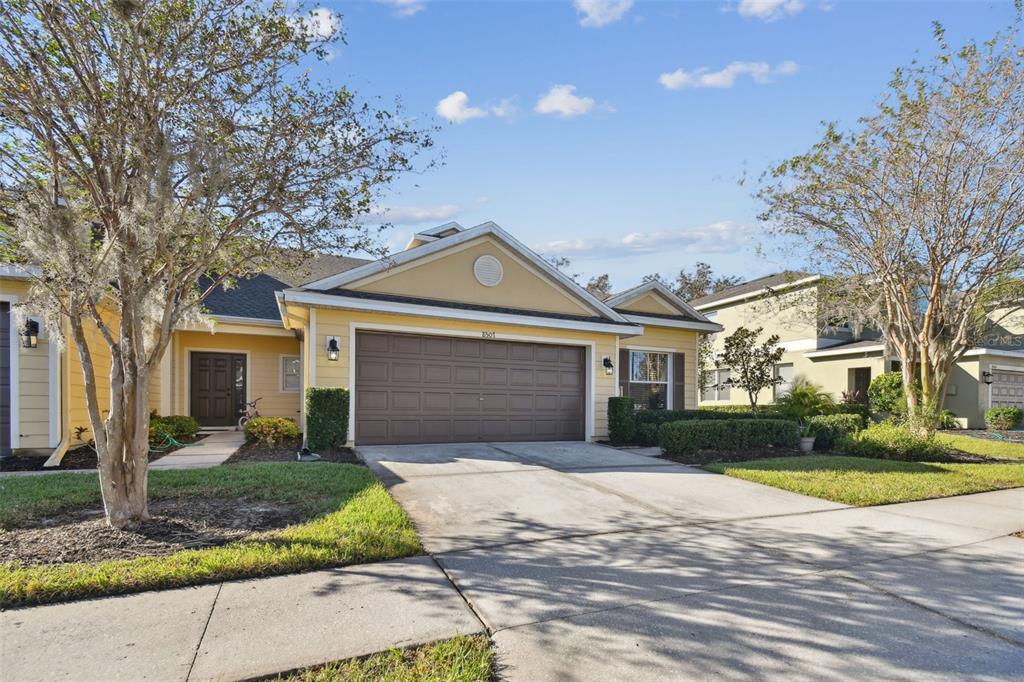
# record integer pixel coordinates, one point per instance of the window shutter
(678, 381)
(623, 372)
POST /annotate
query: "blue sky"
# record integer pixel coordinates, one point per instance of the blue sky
(614, 133)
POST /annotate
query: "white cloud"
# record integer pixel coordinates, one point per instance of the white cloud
(759, 72)
(598, 13)
(405, 8)
(770, 10)
(455, 108)
(561, 100)
(721, 237)
(320, 24)
(414, 215)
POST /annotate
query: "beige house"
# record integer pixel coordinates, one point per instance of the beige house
(466, 335)
(830, 354)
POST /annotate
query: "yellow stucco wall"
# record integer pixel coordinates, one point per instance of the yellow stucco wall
(340, 323)
(448, 276)
(264, 367)
(675, 341)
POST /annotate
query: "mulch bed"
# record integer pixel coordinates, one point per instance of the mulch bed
(286, 451)
(186, 523)
(713, 456)
(82, 457)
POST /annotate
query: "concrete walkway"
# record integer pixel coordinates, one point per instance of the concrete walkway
(215, 448)
(588, 563)
(235, 630)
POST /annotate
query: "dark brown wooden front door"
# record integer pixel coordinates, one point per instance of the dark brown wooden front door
(217, 388)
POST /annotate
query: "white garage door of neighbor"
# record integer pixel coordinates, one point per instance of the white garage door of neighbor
(1007, 388)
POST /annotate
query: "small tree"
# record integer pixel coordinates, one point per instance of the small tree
(917, 214)
(752, 365)
(154, 150)
(600, 286)
(705, 360)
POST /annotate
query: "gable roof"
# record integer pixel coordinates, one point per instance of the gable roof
(754, 287)
(687, 316)
(460, 236)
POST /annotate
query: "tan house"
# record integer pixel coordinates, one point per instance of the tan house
(466, 335)
(832, 355)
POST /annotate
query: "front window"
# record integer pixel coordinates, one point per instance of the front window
(291, 374)
(716, 385)
(648, 379)
(785, 373)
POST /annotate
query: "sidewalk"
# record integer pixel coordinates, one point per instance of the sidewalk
(236, 630)
(214, 449)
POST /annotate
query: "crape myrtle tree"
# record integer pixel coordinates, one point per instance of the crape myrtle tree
(752, 364)
(917, 213)
(154, 150)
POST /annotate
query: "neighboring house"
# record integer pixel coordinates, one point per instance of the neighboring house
(466, 335)
(831, 355)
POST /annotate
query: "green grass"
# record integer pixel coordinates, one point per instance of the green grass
(351, 519)
(863, 482)
(462, 659)
(999, 449)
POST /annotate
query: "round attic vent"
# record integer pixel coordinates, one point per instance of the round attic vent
(487, 270)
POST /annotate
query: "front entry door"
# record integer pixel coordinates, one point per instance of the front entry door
(217, 388)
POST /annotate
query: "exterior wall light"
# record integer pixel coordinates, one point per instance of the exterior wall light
(986, 377)
(332, 349)
(30, 334)
(606, 362)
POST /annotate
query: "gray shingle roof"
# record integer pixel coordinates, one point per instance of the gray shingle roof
(768, 281)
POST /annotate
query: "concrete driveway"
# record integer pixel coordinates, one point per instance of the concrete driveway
(586, 562)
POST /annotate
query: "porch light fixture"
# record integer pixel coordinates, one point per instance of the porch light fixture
(332, 349)
(30, 334)
(606, 362)
(986, 377)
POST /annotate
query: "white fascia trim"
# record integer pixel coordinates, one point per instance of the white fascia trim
(488, 228)
(654, 285)
(759, 292)
(433, 233)
(998, 352)
(232, 319)
(812, 344)
(877, 348)
(333, 301)
(678, 324)
(20, 271)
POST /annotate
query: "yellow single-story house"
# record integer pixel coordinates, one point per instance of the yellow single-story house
(466, 335)
(843, 361)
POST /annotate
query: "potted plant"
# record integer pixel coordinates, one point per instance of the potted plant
(807, 438)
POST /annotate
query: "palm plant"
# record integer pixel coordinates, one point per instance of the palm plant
(804, 400)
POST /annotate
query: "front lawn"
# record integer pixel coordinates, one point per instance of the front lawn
(347, 517)
(461, 659)
(984, 447)
(863, 482)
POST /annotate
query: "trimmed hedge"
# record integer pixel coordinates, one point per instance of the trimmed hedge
(1003, 418)
(827, 429)
(270, 430)
(887, 440)
(621, 422)
(683, 437)
(763, 410)
(326, 417)
(176, 426)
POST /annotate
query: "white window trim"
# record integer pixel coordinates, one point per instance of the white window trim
(281, 375)
(668, 366)
(717, 390)
(188, 374)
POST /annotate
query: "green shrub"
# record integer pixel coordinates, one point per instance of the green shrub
(947, 420)
(889, 440)
(621, 422)
(851, 408)
(726, 410)
(270, 430)
(178, 427)
(647, 434)
(886, 393)
(682, 437)
(803, 401)
(827, 429)
(660, 417)
(1003, 418)
(326, 417)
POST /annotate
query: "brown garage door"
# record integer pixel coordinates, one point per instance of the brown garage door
(1007, 388)
(437, 389)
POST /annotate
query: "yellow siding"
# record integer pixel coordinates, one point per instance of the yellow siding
(449, 277)
(650, 303)
(264, 363)
(791, 315)
(101, 359)
(340, 324)
(33, 418)
(676, 341)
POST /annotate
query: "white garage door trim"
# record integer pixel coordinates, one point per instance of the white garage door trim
(589, 347)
